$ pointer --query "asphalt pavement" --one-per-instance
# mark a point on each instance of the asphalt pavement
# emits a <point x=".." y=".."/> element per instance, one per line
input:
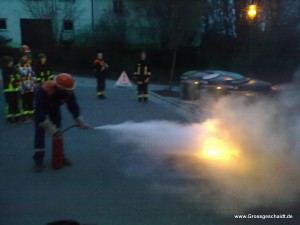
<point x="100" y="188"/>
<point x="93" y="190"/>
<point x="192" y="110"/>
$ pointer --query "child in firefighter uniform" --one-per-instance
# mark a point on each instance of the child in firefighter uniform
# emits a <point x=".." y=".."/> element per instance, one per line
<point x="100" y="68"/>
<point x="27" y="86"/>
<point x="42" y="70"/>
<point x="11" y="90"/>
<point x="48" y="98"/>
<point x="142" y="76"/>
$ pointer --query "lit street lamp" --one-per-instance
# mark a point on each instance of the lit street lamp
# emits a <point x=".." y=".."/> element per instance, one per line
<point x="252" y="13"/>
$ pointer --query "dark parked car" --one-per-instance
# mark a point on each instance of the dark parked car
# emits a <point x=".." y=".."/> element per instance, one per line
<point x="224" y="82"/>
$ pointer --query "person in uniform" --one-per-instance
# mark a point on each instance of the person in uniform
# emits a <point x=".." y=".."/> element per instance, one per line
<point x="27" y="86"/>
<point x="42" y="70"/>
<point x="142" y="76"/>
<point x="100" y="68"/>
<point x="48" y="99"/>
<point x="11" y="89"/>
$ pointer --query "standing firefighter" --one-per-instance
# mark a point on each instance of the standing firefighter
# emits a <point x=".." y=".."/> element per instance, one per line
<point x="27" y="86"/>
<point x="11" y="90"/>
<point x="100" y="68"/>
<point x="42" y="70"/>
<point x="49" y="97"/>
<point x="142" y="76"/>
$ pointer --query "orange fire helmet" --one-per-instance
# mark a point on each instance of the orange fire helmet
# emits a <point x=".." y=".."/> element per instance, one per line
<point x="65" y="81"/>
<point x="25" y="49"/>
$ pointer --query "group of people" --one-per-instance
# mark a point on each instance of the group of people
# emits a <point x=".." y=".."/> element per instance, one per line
<point x="20" y="82"/>
<point x="141" y="76"/>
<point x="33" y="92"/>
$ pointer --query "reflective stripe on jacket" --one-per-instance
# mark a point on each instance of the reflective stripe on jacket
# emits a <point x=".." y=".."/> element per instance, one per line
<point x="11" y="79"/>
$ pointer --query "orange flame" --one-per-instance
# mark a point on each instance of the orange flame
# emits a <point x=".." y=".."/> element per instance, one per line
<point x="216" y="148"/>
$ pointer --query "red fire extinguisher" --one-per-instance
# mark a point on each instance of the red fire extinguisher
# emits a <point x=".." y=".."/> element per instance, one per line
<point x="58" y="148"/>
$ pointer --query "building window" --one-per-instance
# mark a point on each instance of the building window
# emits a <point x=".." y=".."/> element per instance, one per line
<point x="3" y="25"/>
<point x="118" y="7"/>
<point x="68" y="25"/>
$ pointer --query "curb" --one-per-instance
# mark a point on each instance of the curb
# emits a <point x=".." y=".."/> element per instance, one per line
<point x="193" y="113"/>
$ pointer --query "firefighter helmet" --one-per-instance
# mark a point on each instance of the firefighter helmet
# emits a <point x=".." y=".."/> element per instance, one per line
<point x="65" y="81"/>
<point x="41" y="55"/>
<point x="25" y="49"/>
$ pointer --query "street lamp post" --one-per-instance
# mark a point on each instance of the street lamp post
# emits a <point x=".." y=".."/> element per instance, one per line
<point x="252" y="13"/>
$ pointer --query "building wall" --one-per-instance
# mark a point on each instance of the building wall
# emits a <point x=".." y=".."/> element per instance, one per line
<point x="85" y="17"/>
<point x="99" y="7"/>
<point x="88" y="13"/>
<point x="12" y="11"/>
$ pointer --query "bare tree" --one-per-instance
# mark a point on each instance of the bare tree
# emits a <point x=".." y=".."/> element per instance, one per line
<point x="172" y="23"/>
<point x="45" y="9"/>
<point x="183" y="25"/>
<point x="111" y="29"/>
<point x="223" y="17"/>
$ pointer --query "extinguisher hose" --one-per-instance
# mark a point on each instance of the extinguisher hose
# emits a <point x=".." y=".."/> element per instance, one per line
<point x="68" y="128"/>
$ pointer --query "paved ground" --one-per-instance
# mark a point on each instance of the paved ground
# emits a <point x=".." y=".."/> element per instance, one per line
<point x="94" y="190"/>
<point x="191" y="110"/>
<point x="99" y="189"/>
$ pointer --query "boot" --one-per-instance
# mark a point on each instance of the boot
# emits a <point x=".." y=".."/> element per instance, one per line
<point x="38" y="158"/>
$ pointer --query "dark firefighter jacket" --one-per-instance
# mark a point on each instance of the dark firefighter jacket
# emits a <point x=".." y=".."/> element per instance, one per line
<point x="142" y="72"/>
<point x="99" y="66"/>
<point x="43" y="73"/>
<point x="47" y="100"/>
<point x="11" y="79"/>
